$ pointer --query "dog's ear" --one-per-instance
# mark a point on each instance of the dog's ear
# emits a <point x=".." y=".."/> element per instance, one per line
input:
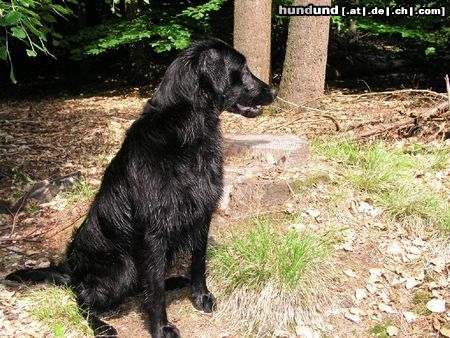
<point x="213" y="77"/>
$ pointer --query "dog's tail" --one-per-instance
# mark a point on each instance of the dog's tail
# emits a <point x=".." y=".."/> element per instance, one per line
<point x="54" y="274"/>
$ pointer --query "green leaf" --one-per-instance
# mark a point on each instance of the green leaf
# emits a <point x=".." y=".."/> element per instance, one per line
<point x="61" y="9"/>
<point x="12" y="18"/>
<point x="3" y="53"/>
<point x="31" y="53"/>
<point x="48" y="18"/>
<point x="430" y="51"/>
<point x="18" y="33"/>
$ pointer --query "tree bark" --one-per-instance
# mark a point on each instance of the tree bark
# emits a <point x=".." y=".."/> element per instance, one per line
<point x="252" y="28"/>
<point x="306" y="55"/>
<point x="140" y="63"/>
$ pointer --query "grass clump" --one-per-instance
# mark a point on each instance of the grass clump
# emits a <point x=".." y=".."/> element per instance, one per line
<point x="389" y="177"/>
<point x="57" y="309"/>
<point x="268" y="279"/>
<point x="420" y="300"/>
<point x="262" y="256"/>
<point x="82" y="191"/>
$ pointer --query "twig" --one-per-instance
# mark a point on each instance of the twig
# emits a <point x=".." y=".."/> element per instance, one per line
<point x="447" y="85"/>
<point x="401" y="91"/>
<point x="17" y="211"/>
<point x="324" y="114"/>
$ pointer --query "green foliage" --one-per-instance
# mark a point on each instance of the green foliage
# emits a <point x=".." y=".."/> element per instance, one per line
<point x="428" y="34"/>
<point x="20" y="176"/>
<point x="164" y="31"/>
<point x="31" y="23"/>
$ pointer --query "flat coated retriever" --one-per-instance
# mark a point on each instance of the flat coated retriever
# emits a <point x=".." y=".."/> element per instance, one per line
<point x="160" y="191"/>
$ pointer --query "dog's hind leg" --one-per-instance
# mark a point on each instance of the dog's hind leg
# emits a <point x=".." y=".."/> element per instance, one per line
<point x="202" y="299"/>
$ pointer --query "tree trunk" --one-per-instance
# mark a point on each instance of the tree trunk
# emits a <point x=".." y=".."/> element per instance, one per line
<point x="306" y="55"/>
<point x="140" y="63"/>
<point x="252" y="28"/>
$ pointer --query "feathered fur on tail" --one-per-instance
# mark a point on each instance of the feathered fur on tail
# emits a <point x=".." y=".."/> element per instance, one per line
<point x="54" y="274"/>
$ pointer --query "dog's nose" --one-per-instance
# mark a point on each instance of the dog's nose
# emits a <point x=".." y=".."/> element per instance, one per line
<point x="273" y="92"/>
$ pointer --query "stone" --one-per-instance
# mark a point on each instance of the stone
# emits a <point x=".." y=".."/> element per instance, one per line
<point x="283" y="150"/>
<point x="436" y="305"/>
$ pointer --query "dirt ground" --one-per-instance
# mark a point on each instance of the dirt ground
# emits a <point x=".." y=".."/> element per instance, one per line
<point x="380" y="268"/>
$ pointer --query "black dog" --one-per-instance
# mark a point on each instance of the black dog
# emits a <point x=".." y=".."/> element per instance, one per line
<point x="158" y="194"/>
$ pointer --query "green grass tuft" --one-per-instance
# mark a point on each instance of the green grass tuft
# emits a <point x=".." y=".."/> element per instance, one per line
<point x="263" y="255"/>
<point x="57" y="309"/>
<point x="82" y="191"/>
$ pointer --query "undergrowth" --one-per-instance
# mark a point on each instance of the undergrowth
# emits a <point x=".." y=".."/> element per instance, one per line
<point x="393" y="178"/>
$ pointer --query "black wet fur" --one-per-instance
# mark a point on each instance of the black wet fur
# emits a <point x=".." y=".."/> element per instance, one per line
<point x="158" y="194"/>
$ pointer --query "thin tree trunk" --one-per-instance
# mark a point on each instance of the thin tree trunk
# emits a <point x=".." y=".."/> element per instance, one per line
<point x="252" y="28"/>
<point x="306" y="55"/>
<point x="139" y="60"/>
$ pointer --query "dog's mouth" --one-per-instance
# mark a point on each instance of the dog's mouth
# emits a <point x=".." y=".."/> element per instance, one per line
<point x="247" y="111"/>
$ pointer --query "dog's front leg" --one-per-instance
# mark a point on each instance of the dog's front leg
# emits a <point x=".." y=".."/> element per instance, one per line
<point x="202" y="299"/>
<point x="154" y="292"/>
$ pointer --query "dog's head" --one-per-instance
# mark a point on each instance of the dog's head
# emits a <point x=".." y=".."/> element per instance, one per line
<point x="210" y="73"/>
<point x="224" y="72"/>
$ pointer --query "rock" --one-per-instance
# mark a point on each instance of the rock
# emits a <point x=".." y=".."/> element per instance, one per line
<point x="283" y="150"/>
<point x="409" y="316"/>
<point x="364" y="207"/>
<point x="385" y="308"/>
<point x="354" y="318"/>
<point x="394" y="249"/>
<point x="411" y="283"/>
<point x="413" y="250"/>
<point x="360" y="294"/>
<point x="313" y="213"/>
<point x="436" y="305"/>
<point x="392" y="331"/>
<point x="350" y="273"/>
<point x="30" y="262"/>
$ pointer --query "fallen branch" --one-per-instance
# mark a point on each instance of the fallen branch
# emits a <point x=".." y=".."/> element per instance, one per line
<point x="398" y="92"/>
<point x="407" y="122"/>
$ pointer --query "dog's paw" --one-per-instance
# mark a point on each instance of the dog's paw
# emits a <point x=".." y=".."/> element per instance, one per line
<point x="105" y="331"/>
<point x="205" y="302"/>
<point x="166" y="331"/>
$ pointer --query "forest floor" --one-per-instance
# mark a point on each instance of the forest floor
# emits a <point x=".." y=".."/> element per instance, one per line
<point x="377" y="191"/>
